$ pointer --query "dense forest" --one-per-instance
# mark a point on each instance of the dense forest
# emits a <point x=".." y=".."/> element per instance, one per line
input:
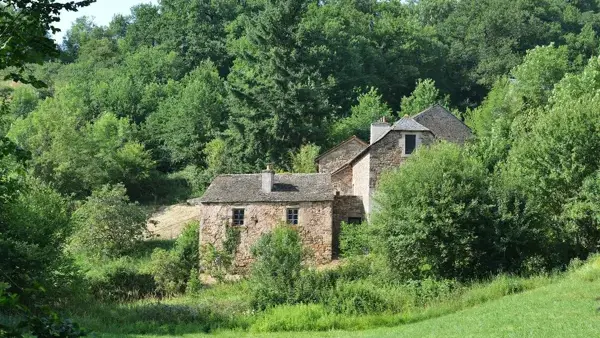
<point x="148" y="109"/>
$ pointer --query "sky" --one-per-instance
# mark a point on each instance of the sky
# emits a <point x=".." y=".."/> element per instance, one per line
<point x="102" y="11"/>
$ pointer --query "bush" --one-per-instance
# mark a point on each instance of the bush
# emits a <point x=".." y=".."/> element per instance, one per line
<point x="364" y="297"/>
<point x="168" y="272"/>
<point x="215" y="262"/>
<point x="34" y="226"/>
<point x="355" y="239"/>
<point x="277" y="268"/>
<point x="121" y="282"/>
<point x="108" y="225"/>
<point x="172" y="269"/>
<point x="434" y="216"/>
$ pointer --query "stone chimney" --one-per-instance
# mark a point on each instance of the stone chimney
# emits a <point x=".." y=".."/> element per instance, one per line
<point x="267" y="179"/>
<point x="378" y="129"/>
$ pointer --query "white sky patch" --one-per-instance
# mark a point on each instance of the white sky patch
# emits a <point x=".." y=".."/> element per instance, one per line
<point x="102" y="11"/>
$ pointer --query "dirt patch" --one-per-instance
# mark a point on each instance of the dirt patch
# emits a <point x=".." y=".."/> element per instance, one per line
<point x="168" y="221"/>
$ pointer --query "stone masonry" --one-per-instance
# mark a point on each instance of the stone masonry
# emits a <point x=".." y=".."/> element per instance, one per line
<point x="315" y="227"/>
<point x="340" y="155"/>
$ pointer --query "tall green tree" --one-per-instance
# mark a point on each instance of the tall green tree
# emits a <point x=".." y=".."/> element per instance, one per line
<point x="370" y="108"/>
<point x="277" y="100"/>
<point x="425" y="95"/>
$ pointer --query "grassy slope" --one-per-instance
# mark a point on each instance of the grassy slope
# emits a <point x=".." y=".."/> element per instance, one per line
<point x="566" y="308"/>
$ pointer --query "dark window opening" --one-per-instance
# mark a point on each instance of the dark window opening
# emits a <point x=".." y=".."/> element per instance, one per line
<point x="354" y="220"/>
<point x="410" y="143"/>
<point x="292" y="216"/>
<point x="238" y="216"/>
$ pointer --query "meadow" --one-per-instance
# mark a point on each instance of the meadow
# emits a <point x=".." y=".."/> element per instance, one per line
<point x="554" y="305"/>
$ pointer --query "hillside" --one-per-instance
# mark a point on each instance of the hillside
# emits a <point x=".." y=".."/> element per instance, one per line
<point x="566" y="308"/>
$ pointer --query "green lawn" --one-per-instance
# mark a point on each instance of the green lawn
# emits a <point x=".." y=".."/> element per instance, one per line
<point x="566" y="308"/>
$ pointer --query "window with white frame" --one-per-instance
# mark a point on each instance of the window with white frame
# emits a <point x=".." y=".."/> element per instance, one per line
<point x="238" y="217"/>
<point x="292" y="216"/>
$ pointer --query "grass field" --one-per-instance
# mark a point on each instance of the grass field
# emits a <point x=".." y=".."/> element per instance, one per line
<point x="564" y="307"/>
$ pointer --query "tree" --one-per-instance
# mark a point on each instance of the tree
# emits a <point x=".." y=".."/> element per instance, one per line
<point x="186" y="122"/>
<point x="34" y="226"/>
<point x="107" y="224"/>
<point x="542" y="67"/>
<point x="304" y="160"/>
<point x="424" y="96"/>
<point x="277" y="101"/>
<point x="434" y="216"/>
<point x="24" y="25"/>
<point x="370" y="108"/>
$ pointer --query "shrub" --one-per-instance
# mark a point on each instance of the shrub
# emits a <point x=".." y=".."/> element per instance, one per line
<point x="429" y="290"/>
<point x="172" y="269"/>
<point x="364" y="297"/>
<point x="193" y="285"/>
<point x="34" y="226"/>
<point x="108" y="225"/>
<point x="355" y="239"/>
<point x="121" y="282"/>
<point x="187" y="246"/>
<point x="277" y="268"/>
<point x="434" y="216"/>
<point x="215" y="262"/>
<point x="168" y="272"/>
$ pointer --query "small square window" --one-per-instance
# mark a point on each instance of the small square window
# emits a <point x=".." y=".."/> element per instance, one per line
<point x="292" y="216"/>
<point x="238" y="216"/>
<point x="354" y="220"/>
<point x="410" y="143"/>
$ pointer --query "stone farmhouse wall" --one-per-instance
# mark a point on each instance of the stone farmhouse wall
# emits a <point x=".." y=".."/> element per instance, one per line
<point x="389" y="153"/>
<point x="339" y="156"/>
<point x="342" y="181"/>
<point x="314" y="218"/>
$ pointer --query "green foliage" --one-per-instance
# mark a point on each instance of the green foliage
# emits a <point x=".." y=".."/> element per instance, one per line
<point x="34" y="225"/>
<point x="424" y="96"/>
<point x="38" y="322"/>
<point x="173" y="270"/>
<point x="355" y="239"/>
<point x="186" y="122"/>
<point x="370" y="108"/>
<point x="23" y="100"/>
<point x="193" y="285"/>
<point x="541" y="69"/>
<point x="277" y="267"/>
<point x="118" y="281"/>
<point x="434" y="217"/>
<point x="168" y="272"/>
<point x="303" y="161"/>
<point x="215" y="262"/>
<point x="278" y="100"/>
<point x="233" y="235"/>
<point x="107" y="224"/>
<point x="79" y="158"/>
<point x="25" y="25"/>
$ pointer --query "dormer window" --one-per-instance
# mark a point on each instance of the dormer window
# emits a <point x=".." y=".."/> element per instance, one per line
<point x="410" y="143"/>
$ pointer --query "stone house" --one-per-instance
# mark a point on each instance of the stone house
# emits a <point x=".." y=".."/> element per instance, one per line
<point x="317" y="204"/>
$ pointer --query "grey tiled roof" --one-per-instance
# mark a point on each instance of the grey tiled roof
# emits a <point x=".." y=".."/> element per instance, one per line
<point x="408" y="124"/>
<point x="352" y="138"/>
<point x="286" y="188"/>
<point x="443" y="124"/>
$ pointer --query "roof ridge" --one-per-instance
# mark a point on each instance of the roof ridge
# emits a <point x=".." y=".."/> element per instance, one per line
<point x="444" y="108"/>
<point x="353" y="137"/>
